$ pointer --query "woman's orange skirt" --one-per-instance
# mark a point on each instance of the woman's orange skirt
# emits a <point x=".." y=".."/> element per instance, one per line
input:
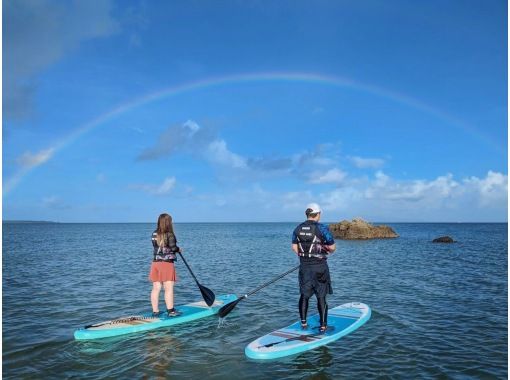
<point x="162" y="271"/>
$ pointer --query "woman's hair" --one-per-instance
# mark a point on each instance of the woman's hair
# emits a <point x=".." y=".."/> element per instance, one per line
<point x="164" y="228"/>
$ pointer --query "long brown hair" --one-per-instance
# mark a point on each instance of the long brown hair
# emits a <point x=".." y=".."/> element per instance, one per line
<point x="164" y="228"/>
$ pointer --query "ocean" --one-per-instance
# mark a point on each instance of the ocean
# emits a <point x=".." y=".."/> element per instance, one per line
<point x="438" y="310"/>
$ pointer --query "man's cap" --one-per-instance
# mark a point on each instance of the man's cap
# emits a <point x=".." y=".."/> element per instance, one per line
<point x="313" y="208"/>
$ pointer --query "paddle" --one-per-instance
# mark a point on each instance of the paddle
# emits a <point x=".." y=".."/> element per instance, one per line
<point x="230" y="306"/>
<point x="207" y="294"/>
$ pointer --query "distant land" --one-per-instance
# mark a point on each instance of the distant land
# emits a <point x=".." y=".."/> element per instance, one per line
<point x="237" y="222"/>
<point x="27" y="221"/>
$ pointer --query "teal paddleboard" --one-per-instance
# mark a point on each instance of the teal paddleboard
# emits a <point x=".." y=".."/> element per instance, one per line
<point x="145" y="321"/>
<point x="292" y="339"/>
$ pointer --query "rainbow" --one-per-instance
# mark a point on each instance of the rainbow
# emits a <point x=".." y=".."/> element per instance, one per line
<point x="291" y="77"/>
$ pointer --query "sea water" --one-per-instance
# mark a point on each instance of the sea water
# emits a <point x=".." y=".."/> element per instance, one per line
<point x="438" y="310"/>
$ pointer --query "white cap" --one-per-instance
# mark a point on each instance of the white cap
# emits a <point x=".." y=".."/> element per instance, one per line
<point x="314" y="207"/>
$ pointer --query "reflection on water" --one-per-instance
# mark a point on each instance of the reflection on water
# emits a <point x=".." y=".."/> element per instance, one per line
<point x="161" y="352"/>
<point x="427" y="303"/>
<point x="224" y="323"/>
<point x="321" y="359"/>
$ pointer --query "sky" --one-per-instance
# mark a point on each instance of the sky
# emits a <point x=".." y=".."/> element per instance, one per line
<point x="246" y="111"/>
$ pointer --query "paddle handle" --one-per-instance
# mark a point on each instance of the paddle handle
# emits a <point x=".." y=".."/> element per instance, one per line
<point x="270" y="282"/>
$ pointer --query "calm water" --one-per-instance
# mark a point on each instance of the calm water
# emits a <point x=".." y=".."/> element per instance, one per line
<point x="437" y="310"/>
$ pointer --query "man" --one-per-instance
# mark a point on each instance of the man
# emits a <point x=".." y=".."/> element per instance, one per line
<point x="312" y="242"/>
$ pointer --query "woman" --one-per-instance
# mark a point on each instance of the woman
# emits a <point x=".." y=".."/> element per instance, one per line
<point x="162" y="268"/>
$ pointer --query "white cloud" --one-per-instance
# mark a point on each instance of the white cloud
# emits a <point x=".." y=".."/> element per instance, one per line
<point x="339" y="199"/>
<point x="187" y="137"/>
<point x="218" y="152"/>
<point x="384" y="188"/>
<point x="49" y="200"/>
<point x="167" y="185"/>
<point x="439" y="199"/>
<point x="30" y="160"/>
<point x="382" y="198"/>
<point x="295" y="199"/>
<point x="54" y="202"/>
<point x="379" y="198"/>
<point x="191" y="138"/>
<point x="192" y="126"/>
<point x="336" y="176"/>
<point x="204" y="143"/>
<point x="381" y="179"/>
<point x="27" y="161"/>
<point x="366" y="163"/>
<point x="491" y="189"/>
<point x="164" y="188"/>
<point x="321" y="155"/>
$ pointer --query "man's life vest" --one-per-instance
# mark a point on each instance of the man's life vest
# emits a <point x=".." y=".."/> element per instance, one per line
<point x="310" y="240"/>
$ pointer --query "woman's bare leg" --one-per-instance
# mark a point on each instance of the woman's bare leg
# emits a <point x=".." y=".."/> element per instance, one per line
<point x="156" y="288"/>
<point x="169" y="294"/>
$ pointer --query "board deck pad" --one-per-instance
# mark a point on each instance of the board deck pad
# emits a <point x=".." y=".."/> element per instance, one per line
<point x="146" y="321"/>
<point x="292" y="339"/>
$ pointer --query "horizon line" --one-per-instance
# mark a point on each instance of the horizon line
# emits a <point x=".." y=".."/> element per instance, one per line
<point x="21" y="221"/>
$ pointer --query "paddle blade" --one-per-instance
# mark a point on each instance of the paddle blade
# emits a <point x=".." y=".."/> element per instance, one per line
<point x="225" y="309"/>
<point x="207" y="294"/>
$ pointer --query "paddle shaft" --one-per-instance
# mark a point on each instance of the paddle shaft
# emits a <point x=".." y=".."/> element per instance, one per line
<point x="226" y="309"/>
<point x="187" y="266"/>
<point x="207" y="293"/>
<point x="270" y="282"/>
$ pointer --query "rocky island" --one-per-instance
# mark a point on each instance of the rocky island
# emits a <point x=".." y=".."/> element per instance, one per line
<point x="443" y="239"/>
<point x="360" y="229"/>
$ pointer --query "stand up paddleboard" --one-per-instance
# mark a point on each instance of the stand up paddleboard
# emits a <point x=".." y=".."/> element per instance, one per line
<point x="146" y="321"/>
<point x="292" y="339"/>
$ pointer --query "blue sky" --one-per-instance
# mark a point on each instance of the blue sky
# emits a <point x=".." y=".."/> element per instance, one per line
<point x="116" y="111"/>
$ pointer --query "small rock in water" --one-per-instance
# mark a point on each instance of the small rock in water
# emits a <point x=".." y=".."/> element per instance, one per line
<point x="443" y="239"/>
